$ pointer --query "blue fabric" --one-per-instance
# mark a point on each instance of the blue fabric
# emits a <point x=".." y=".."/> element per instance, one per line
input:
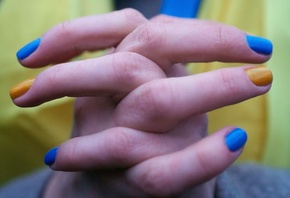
<point x="181" y="8"/>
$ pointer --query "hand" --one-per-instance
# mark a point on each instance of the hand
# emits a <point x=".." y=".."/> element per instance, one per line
<point x="149" y="126"/>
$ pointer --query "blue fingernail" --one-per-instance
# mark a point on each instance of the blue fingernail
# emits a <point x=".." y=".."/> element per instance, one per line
<point x="28" y="49"/>
<point x="260" y="45"/>
<point x="50" y="156"/>
<point x="236" y="139"/>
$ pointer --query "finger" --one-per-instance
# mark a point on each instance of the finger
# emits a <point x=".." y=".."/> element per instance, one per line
<point x="115" y="74"/>
<point x="168" y="175"/>
<point x="159" y="105"/>
<point x="184" y="41"/>
<point x="71" y="38"/>
<point x="116" y="148"/>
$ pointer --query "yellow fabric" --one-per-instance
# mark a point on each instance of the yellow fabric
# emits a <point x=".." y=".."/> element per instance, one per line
<point x="277" y="150"/>
<point x="26" y="134"/>
<point x="266" y="118"/>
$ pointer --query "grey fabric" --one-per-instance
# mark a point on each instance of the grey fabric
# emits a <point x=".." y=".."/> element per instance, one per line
<point x="30" y="186"/>
<point x="242" y="181"/>
<point x="251" y="180"/>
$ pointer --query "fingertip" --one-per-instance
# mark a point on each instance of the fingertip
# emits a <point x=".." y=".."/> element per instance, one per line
<point x="28" y="49"/>
<point x="21" y="88"/>
<point x="50" y="157"/>
<point x="236" y="139"/>
<point x="260" y="45"/>
<point x="260" y="76"/>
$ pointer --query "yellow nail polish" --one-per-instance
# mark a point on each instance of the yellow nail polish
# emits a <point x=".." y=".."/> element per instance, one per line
<point x="260" y="76"/>
<point x="21" y="88"/>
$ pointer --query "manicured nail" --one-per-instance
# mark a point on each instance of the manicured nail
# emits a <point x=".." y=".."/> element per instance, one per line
<point x="21" y="89"/>
<point x="50" y="156"/>
<point x="236" y="139"/>
<point x="28" y="49"/>
<point x="260" y="76"/>
<point x="260" y="45"/>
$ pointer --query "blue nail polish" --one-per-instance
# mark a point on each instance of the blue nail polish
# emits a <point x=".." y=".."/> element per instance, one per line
<point x="236" y="139"/>
<point x="28" y="49"/>
<point x="50" y="156"/>
<point x="260" y="45"/>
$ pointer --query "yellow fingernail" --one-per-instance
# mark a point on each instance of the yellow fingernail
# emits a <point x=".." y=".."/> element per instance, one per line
<point x="260" y="76"/>
<point x="21" y="88"/>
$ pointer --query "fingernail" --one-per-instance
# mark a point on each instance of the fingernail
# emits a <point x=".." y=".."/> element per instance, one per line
<point x="21" y="89"/>
<point x="260" y="76"/>
<point x="50" y="156"/>
<point x="260" y="45"/>
<point x="236" y="139"/>
<point x="28" y="49"/>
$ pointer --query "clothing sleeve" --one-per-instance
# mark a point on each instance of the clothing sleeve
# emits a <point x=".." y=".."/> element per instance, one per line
<point x="252" y="180"/>
<point x="31" y="186"/>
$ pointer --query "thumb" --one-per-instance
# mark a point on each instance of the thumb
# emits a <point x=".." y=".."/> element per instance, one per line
<point x="191" y="166"/>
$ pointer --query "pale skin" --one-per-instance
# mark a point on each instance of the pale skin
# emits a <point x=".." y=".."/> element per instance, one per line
<point x="140" y="126"/>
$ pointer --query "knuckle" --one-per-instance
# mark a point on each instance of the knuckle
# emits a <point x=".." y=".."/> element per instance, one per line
<point x="127" y="66"/>
<point x="148" y="101"/>
<point x="121" y="146"/>
<point x="228" y="83"/>
<point x="64" y="28"/>
<point x="134" y="69"/>
<point x="148" y="36"/>
<point x="221" y="36"/>
<point x="156" y="183"/>
<point x="54" y="75"/>
<point x="50" y="77"/>
<point x="155" y="99"/>
<point x="205" y="170"/>
<point x="133" y="15"/>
